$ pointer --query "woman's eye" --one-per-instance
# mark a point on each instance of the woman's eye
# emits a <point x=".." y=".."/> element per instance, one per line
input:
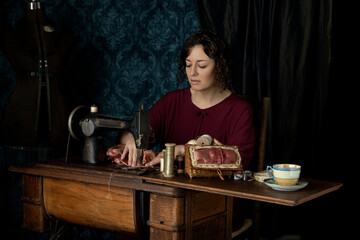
<point x="188" y="66"/>
<point x="202" y="66"/>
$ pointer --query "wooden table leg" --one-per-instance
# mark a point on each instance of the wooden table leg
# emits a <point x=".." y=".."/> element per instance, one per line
<point x="197" y="215"/>
<point x="166" y="217"/>
<point x="35" y="217"/>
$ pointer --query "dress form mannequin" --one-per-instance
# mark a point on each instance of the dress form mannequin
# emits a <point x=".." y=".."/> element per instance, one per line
<point x="36" y="112"/>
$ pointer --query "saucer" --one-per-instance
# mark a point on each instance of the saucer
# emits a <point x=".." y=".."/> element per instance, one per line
<point x="299" y="185"/>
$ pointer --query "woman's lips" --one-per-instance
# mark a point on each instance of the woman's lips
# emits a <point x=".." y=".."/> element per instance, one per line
<point x="194" y="81"/>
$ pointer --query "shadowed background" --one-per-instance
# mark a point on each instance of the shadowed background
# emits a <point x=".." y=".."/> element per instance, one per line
<point x="125" y="53"/>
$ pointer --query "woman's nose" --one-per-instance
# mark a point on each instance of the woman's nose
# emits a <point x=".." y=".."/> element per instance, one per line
<point x="193" y="71"/>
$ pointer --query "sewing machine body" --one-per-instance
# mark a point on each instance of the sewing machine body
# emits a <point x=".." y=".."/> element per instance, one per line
<point x="92" y="125"/>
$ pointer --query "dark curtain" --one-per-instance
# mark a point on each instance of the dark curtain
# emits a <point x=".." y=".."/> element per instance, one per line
<point x="282" y="49"/>
<point x="299" y="54"/>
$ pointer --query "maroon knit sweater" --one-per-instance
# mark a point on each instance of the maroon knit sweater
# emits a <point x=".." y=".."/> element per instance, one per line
<point x="175" y="119"/>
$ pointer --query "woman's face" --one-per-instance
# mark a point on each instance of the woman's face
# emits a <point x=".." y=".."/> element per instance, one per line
<point x="200" y="69"/>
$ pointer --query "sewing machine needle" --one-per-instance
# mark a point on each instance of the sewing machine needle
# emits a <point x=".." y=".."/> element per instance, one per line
<point x="140" y="156"/>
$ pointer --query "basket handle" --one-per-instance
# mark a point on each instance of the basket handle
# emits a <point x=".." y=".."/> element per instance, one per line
<point x="220" y="174"/>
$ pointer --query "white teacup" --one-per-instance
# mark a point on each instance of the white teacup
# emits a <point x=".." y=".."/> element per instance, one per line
<point x="285" y="174"/>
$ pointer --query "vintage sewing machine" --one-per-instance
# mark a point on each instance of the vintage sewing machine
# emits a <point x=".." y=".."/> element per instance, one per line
<point x="90" y="125"/>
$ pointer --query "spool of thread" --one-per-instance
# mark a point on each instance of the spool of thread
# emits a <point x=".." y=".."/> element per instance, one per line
<point x="93" y="108"/>
<point x="204" y="140"/>
<point x="180" y="168"/>
<point x="169" y="160"/>
<point x="162" y="161"/>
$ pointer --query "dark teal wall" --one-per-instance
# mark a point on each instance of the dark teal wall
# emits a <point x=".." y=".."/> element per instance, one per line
<point x="125" y="51"/>
<point x="124" y="54"/>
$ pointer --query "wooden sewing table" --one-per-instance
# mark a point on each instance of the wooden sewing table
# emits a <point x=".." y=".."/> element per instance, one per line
<point x="108" y="198"/>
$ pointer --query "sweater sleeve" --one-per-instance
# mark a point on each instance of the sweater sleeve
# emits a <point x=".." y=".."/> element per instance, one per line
<point x="242" y="135"/>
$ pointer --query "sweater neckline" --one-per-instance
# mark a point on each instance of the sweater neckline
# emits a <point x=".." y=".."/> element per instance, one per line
<point x="209" y="108"/>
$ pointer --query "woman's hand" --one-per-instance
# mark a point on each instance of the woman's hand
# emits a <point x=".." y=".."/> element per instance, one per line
<point x="179" y="150"/>
<point x="156" y="160"/>
<point x="130" y="148"/>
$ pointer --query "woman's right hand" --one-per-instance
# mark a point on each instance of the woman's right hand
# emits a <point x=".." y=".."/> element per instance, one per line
<point x="130" y="149"/>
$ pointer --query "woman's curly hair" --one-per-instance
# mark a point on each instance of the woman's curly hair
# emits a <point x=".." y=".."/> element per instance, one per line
<point x="215" y="48"/>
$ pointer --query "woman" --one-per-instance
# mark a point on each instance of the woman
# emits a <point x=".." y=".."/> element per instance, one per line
<point x="206" y="107"/>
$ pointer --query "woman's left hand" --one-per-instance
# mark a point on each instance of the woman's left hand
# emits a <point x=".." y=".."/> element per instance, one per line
<point x="179" y="150"/>
<point x="155" y="160"/>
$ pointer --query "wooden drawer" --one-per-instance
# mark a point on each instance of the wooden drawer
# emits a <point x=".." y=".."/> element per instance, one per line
<point x="91" y="205"/>
<point x="166" y="210"/>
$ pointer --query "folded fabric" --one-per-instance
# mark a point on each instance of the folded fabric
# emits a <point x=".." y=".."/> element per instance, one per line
<point x="115" y="153"/>
<point x="215" y="156"/>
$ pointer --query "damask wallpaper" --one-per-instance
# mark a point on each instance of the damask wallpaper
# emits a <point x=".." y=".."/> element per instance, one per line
<point x="124" y="54"/>
<point x="125" y="51"/>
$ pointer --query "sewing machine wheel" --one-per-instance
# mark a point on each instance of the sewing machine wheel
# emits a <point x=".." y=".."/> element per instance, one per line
<point x="74" y="121"/>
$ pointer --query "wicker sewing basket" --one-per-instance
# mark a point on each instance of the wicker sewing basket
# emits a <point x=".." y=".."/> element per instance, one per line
<point x="209" y="170"/>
